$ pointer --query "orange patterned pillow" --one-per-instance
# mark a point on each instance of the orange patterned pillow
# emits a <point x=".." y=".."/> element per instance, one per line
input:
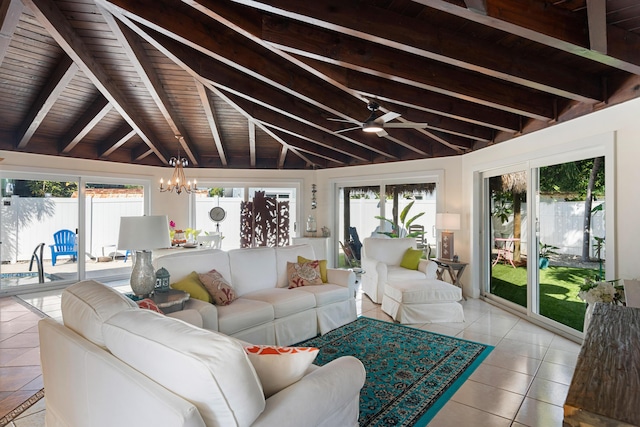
<point x="149" y="304"/>
<point x="279" y="367"/>
<point x="219" y="289"/>
<point x="304" y="273"/>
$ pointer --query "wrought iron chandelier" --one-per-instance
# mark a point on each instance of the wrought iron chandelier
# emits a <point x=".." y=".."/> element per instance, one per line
<point x="178" y="181"/>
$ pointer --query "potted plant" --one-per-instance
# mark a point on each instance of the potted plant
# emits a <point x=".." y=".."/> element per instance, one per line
<point x="545" y="251"/>
<point x="396" y="230"/>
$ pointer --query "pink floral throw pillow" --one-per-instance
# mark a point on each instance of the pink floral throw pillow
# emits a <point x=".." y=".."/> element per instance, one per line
<point x="149" y="304"/>
<point x="221" y="291"/>
<point x="304" y="273"/>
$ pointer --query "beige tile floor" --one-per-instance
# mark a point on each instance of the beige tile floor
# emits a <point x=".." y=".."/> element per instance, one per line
<point x="523" y="382"/>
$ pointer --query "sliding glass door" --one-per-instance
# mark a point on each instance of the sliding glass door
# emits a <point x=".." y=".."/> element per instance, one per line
<point x="506" y="196"/>
<point x="546" y="235"/>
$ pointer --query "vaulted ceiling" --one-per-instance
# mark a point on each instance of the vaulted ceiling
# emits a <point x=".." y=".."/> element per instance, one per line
<point x="254" y="83"/>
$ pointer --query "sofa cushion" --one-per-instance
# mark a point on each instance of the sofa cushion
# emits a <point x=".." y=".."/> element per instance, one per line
<point x="279" y="367"/>
<point x="303" y="274"/>
<point x="323" y="267"/>
<point x="285" y="302"/>
<point x="395" y="273"/>
<point x="423" y="291"/>
<point x="285" y="254"/>
<point x="411" y="258"/>
<point x="221" y="291"/>
<point x="327" y="293"/>
<point x="243" y="314"/>
<point x="193" y="286"/>
<point x="252" y="269"/>
<point x="184" y="261"/>
<point x="86" y="305"/>
<point x="208" y="369"/>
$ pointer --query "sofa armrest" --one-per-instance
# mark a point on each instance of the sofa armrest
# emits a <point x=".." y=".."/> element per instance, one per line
<point x="341" y="277"/>
<point x="317" y="397"/>
<point x="345" y="278"/>
<point x="208" y="312"/>
<point x="428" y="267"/>
<point x="193" y="317"/>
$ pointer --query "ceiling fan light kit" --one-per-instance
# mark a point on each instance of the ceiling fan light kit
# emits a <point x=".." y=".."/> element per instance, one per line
<point x="377" y="125"/>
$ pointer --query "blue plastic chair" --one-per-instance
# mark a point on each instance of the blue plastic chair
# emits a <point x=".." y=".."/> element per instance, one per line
<point x="65" y="244"/>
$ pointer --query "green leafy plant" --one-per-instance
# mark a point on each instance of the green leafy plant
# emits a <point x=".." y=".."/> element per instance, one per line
<point x="502" y="203"/>
<point x="546" y="250"/>
<point x="396" y="229"/>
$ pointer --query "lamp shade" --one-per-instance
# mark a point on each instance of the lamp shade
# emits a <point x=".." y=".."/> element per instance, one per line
<point x="144" y="232"/>
<point x="448" y="221"/>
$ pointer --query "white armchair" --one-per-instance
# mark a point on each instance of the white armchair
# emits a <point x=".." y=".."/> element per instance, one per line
<point x="381" y="261"/>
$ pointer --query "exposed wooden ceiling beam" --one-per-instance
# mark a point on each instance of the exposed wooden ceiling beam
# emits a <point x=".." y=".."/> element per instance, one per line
<point x="366" y="57"/>
<point x="445" y="113"/>
<point x="553" y="27"/>
<point x="64" y="34"/>
<point x="89" y="119"/>
<point x="597" y="14"/>
<point x="479" y="6"/>
<point x="249" y="117"/>
<point x="283" y="155"/>
<point x="367" y="22"/>
<point x="252" y="143"/>
<point x="257" y="91"/>
<point x="116" y="140"/>
<point x="10" y="11"/>
<point x="56" y="83"/>
<point x="307" y="146"/>
<point x="144" y="67"/>
<point x="211" y="119"/>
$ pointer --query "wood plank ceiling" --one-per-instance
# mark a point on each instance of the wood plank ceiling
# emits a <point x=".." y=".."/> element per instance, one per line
<point x="252" y="83"/>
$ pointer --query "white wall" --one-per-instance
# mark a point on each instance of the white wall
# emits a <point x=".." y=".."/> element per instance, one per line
<point x="618" y="122"/>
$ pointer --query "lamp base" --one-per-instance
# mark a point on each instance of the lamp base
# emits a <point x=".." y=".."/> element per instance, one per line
<point x="143" y="277"/>
<point x="446" y="245"/>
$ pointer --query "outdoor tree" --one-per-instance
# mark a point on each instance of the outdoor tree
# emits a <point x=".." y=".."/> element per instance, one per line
<point x="579" y="180"/>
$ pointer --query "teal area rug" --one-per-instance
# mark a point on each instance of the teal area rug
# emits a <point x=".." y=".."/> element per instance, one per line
<point x="411" y="373"/>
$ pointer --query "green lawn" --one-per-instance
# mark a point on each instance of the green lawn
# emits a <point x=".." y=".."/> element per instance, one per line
<point x="559" y="288"/>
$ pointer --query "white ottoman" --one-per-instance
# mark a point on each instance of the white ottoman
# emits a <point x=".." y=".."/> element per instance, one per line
<point x="423" y="301"/>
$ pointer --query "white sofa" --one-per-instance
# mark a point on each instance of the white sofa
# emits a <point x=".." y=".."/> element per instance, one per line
<point x="113" y="364"/>
<point x="381" y="259"/>
<point x="267" y="312"/>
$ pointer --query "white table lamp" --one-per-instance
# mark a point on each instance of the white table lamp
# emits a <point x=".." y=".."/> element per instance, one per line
<point x="447" y="222"/>
<point x="143" y="234"/>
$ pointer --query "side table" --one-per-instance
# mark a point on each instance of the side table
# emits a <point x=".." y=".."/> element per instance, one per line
<point x="170" y="301"/>
<point x="455" y="270"/>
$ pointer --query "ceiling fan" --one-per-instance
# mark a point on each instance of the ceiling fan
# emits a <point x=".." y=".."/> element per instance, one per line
<point x="377" y="125"/>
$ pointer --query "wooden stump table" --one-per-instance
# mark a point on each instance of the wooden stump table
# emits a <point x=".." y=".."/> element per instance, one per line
<point x="605" y="389"/>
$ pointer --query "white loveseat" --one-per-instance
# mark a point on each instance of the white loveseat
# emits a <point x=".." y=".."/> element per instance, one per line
<point x="113" y="364"/>
<point x="267" y="312"/>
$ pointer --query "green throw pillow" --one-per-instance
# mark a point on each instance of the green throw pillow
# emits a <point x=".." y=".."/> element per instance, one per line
<point x="411" y="259"/>
<point x="193" y="286"/>
<point x="323" y="267"/>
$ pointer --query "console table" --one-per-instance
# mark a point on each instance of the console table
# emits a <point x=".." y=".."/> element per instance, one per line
<point x="605" y="389"/>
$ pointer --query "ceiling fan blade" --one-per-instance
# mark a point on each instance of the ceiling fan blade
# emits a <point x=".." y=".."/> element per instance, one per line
<point x="382" y="133"/>
<point x="387" y="117"/>
<point x="341" y="120"/>
<point x="406" y="125"/>
<point x="348" y="129"/>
